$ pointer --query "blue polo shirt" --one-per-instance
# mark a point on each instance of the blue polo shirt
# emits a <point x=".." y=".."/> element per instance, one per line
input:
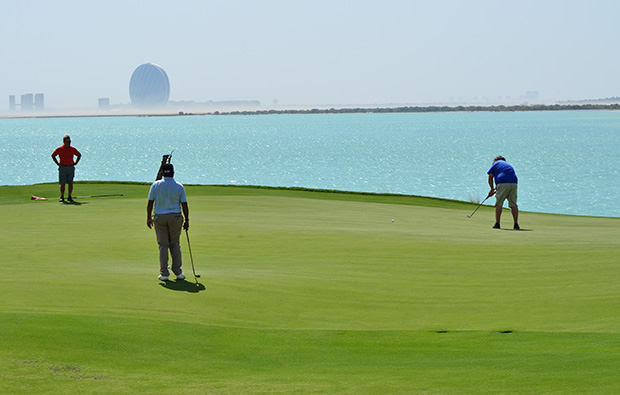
<point x="503" y="172"/>
<point x="168" y="196"/>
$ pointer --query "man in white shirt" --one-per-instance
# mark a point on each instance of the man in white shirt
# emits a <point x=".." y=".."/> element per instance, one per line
<point x="168" y="198"/>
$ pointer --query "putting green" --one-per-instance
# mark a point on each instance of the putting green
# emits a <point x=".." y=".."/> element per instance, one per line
<point x="304" y="291"/>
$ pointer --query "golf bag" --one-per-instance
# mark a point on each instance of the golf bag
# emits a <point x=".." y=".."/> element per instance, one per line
<point x="165" y="160"/>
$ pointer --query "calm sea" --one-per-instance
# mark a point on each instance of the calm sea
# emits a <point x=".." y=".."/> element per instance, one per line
<point x="566" y="161"/>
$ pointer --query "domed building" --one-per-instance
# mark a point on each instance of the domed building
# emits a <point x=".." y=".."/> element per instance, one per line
<point x="149" y="86"/>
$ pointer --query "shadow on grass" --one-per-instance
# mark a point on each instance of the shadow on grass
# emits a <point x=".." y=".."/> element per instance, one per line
<point x="182" y="285"/>
<point x="73" y="203"/>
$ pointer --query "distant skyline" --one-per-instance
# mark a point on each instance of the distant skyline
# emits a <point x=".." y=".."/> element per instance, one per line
<point x="311" y="53"/>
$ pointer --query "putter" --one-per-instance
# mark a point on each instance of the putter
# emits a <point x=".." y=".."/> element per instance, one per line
<point x="77" y="197"/>
<point x="189" y="247"/>
<point x="94" y="196"/>
<point x="485" y="199"/>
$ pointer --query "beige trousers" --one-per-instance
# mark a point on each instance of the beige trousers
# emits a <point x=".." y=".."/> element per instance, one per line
<point x="168" y="231"/>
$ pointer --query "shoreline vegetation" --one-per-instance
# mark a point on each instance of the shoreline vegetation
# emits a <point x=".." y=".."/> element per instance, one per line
<point x="423" y="109"/>
<point x="332" y="110"/>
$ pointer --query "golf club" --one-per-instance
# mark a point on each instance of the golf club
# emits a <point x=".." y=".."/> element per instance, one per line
<point x="94" y="196"/>
<point x="189" y="247"/>
<point x="485" y="199"/>
<point x="77" y="197"/>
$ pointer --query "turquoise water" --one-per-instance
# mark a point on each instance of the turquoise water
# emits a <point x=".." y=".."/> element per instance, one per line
<point x="566" y="161"/>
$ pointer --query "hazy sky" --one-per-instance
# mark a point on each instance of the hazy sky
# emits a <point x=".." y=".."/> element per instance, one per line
<point x="312" y="52"/>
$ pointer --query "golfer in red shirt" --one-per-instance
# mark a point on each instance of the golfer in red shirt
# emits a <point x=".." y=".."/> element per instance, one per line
<point x="66" y="166"/>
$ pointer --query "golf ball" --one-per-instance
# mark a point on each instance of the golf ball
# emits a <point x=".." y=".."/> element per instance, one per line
<point x="392" y="220"/>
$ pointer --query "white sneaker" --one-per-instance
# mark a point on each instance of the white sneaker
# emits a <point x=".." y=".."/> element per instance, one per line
<point x="181" y="276"/>
<point x="162" y="278"/>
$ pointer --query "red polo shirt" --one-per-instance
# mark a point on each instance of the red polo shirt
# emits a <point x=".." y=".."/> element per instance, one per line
<point x="66" y="155"/>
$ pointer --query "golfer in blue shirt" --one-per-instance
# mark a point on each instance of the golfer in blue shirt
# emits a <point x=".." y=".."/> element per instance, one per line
<point x="505" y="178"/>
<point x="168" y="198"/>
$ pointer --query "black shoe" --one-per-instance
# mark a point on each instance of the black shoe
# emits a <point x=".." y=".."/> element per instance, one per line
<point x="496" y="226"/>
<point x="517" y="227"/>
<point x="70" y="199"/>
<point x="61" y="200"/>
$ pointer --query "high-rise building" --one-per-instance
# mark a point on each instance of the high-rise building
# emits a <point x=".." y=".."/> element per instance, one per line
<point x="27" y="102"/>
<point x="149" y="86"/>
<point x="104" y="103"/>
<point x="39" y="102"/>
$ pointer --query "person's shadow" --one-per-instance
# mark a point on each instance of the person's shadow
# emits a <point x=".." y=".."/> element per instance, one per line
<point x="73" y="203"/>
<point x="182" y="285"/>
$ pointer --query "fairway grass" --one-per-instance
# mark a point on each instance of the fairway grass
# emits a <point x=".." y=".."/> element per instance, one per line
<point x="304" y="292"/>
